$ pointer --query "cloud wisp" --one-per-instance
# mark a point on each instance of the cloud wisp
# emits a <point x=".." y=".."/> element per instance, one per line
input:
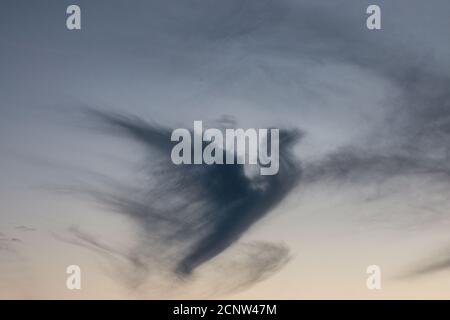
<point x="189" y="214"/>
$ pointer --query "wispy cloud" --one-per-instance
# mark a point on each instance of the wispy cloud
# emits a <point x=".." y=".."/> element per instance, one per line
<point x="187" y="215"/>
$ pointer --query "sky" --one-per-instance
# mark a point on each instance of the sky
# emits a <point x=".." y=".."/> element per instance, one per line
<point x="85" y="118"/>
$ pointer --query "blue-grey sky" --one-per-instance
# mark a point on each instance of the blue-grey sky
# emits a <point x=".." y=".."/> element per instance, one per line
<point x="373" y="106"/>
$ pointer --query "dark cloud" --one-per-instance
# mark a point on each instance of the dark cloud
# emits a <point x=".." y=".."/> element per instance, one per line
<point x="189" y="214"/>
